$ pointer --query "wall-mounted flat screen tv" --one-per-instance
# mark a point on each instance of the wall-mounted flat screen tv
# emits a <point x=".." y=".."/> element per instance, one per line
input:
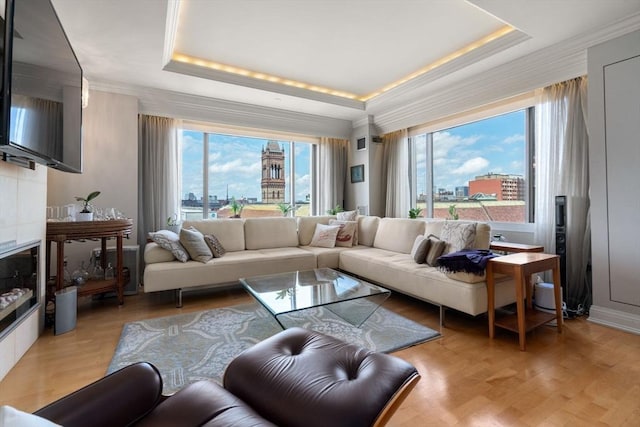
<point x="41" y="97"/>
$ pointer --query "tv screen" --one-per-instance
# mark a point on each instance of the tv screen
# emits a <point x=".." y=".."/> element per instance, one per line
<point x="41" y="89"/>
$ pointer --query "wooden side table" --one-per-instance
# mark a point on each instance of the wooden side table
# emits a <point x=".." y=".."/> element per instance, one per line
<point x="521" y="266"/>
<point x="515" y="247"/>
<point x="61" y="232"/>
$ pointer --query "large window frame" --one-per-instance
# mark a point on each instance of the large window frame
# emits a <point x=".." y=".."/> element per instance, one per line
<point x="289" y="141"/>
<point x="524" y="103"/>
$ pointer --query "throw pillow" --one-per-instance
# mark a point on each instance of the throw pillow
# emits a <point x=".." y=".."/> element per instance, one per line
<point x="193" y="242"/>
<point x="458" y="235"/>
<point x="170" y="241"/>
<point x="217" y="250"/>
<point x="325" y="236"/>
<point x="347" y="216"/>
<point x="420" y="249"/>
<point x="436" y="248"/>
<point x="10" y="416"/>
<point x="347" y="233"/>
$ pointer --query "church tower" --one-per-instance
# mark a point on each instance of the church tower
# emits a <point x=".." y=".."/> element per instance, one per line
<point x="272" y="173"/>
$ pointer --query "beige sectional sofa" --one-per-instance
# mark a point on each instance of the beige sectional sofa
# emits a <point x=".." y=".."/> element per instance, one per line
<point x="257" y="246"/>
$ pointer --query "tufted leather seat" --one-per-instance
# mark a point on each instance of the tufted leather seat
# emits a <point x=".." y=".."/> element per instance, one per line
<point x="294" y="378"/>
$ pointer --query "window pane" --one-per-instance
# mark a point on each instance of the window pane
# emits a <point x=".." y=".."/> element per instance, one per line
<point x="192" y="181"/>
<point x="420" y="142"/>
<point x="302" y="179"/>
<point x="479" y="170"/>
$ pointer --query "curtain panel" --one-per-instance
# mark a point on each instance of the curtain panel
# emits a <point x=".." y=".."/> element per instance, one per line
<point x="562" y="168"/>
<point x="158" y="172"/>
<point x="332" y="173"/>
<point x="395" y="172"/>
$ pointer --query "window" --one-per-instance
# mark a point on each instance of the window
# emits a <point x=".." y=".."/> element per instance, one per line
<point x="479" y="171"/>
<point x="259" y="174"/>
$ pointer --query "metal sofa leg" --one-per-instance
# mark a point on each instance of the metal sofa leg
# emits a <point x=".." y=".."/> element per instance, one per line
<point x="179" y="298"/>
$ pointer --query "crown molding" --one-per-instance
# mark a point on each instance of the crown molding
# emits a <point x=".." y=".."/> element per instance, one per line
<point x="236" y="79"/>
<point x="201" y="108"/>
<point x="557" y="63"/>
<point x="171" y="29"/>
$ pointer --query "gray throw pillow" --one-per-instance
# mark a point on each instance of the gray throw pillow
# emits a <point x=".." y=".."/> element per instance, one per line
<point x="170" y="241"/>
<point x="458" y="235"/>
<point x="217" y="250"/>
<point x="420" y="249"/>
<point x="436" y="248"/>
<point x="193" y="242"/>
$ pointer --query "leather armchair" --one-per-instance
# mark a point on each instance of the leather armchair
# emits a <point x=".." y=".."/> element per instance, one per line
<point x="294" y="378"/>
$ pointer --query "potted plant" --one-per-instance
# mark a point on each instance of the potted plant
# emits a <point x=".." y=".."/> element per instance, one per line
<point x="285" y="208"/>
<point x="453" y="212"/>
<point x="414" y="213"/>
<point x="86" y="214"/>
<point x="335" y="210"/>
<point x="173" y="224"/>
<point x="236" y="208"/>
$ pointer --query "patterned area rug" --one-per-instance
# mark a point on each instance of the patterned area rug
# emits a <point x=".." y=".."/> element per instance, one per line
<point x="190" y="347"/>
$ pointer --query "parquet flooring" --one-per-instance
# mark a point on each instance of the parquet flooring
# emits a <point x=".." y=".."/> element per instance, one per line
<point x="587" y="376"/>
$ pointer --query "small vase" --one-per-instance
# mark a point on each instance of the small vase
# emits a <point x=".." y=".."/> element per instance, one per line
<point x="84" y="216"/>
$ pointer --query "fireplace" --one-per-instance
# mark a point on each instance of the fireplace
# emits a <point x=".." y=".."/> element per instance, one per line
<point x="19" y="293"/>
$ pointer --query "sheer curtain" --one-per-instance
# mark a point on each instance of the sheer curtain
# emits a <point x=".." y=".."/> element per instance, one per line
<point x="332" y="173"/>
<point x="158" y="172"/>
<point x="395" y="170"/>
<point x="562" y="168"/>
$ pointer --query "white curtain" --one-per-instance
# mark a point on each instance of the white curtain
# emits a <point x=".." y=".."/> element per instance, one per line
<point x="158" y="172"/>
<point x="332" y="173"/>
<point x="395" y="172"/>
<point x="562" y="169"/>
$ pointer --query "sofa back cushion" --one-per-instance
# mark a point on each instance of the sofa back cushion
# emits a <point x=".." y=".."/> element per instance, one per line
<point x="267" y="233"/>
<point x="398" y="234"/>
<point x="229" y="232"/>
<point x="307" y="226"/>
<point x="483" y="232"/>
<point x="367" y="229"/>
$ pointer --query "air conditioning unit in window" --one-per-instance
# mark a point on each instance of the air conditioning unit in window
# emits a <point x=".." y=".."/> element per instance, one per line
<point x="130" y="254"/>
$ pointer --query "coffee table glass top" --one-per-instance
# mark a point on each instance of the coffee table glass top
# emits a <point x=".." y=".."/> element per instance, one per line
<point x="298" y="290"/>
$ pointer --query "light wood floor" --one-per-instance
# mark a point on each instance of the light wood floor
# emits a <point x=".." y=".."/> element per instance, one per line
<point x="588" y="375"/>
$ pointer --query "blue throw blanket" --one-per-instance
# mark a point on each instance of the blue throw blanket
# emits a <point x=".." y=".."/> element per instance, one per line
<point x="468" y="260"/>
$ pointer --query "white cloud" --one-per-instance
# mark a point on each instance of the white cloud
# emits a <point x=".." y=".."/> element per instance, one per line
<point x="514" y="138"/>
<point x="471" y="166"/>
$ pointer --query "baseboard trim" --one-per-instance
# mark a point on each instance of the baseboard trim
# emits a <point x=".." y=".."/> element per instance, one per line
<point x="614" y="318"/>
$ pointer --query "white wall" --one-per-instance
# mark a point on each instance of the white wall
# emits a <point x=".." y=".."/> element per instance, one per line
<point x="23" y="219"/>
<point x="110" y="142"/>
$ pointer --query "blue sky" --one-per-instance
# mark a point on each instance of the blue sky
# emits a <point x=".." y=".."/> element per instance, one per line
<point x="491" y="145"/>
<point x="460" y="154"/>
<point x="236" y="161"/>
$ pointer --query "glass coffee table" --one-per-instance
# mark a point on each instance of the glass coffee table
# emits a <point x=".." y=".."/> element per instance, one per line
<point x="351" y="299"/>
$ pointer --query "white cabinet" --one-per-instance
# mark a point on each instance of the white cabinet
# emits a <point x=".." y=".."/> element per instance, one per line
<point x="614" y="150"/>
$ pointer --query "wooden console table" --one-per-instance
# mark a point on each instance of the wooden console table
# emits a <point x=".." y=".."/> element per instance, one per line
<point x="61" y="232"/>
<point x="521" y="266"/>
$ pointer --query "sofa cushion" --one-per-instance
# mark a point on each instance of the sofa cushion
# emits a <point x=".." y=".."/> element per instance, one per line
<point x="230" y="232"/>
<point x="266" y="233"/>
<point x="346" y="234"/>
<point x="458" y="235"/>
<point x="483" y="232"/>
<point x="436" y="248"/>
<point x="307" y="226"/>
<point x="170" y="241"/>
<point x="193" y="242"/>
<point x="325" y="236"/>
<point x="347" y="216"/>
<point x="420" y="249"/>
<point x="154" y="253"/>
<point x="367" y="229"/>
<point x="216" y="248"/>
<point x="398" y="234"/>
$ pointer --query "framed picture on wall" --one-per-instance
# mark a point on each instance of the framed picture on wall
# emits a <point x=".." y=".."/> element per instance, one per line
<point x="357" y="173"/>
<point x="361" y="144"/>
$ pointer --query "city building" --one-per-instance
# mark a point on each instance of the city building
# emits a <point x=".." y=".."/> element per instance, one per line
<point x="272" y="181"/>
<point x="505" y="187"/>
